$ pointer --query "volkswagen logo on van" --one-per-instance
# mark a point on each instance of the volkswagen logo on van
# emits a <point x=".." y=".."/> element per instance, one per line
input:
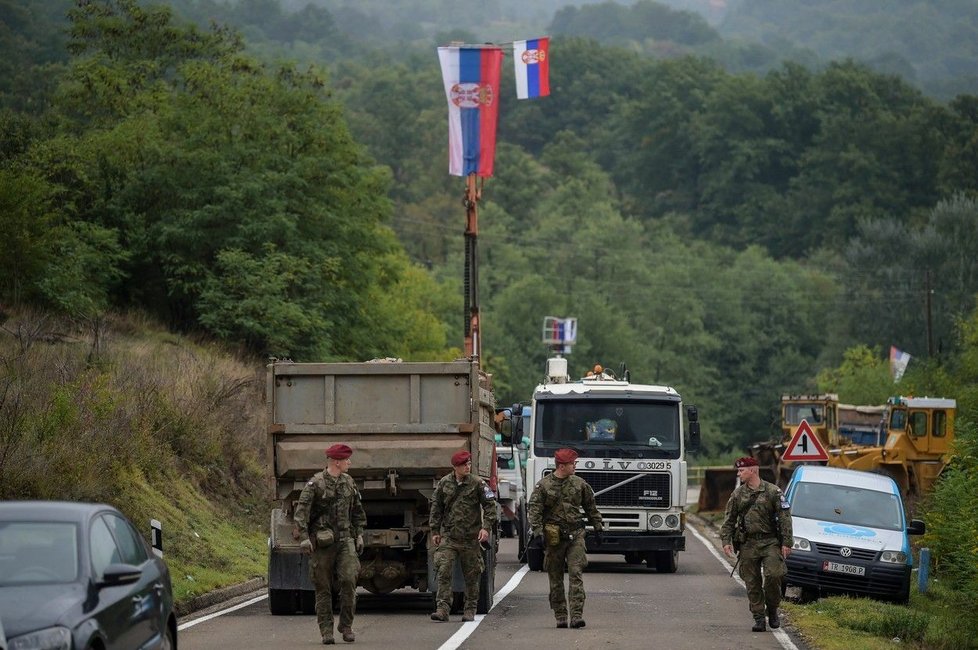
<point x="845" y="551"/>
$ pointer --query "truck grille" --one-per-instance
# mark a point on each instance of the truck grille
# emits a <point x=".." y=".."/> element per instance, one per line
<point x="647" y="491"/>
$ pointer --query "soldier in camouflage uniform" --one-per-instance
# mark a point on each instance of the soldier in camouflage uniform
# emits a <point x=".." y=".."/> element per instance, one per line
<point x="555" y="506"/>
<point x="463" y="510"/>
<point x="758" y="526"/>
<point x="330" y="521"/>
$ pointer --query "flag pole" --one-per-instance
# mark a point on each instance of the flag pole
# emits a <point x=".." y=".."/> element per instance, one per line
<point x="473" y="340"/>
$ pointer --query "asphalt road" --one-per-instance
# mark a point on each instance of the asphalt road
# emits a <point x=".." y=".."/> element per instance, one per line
<point x="700" y="606"/>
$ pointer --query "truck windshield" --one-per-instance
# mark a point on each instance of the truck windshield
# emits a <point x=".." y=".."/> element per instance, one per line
<point x="795" y="413"/>
<point x="609" y="428"/>
<point x="846" y="505"/>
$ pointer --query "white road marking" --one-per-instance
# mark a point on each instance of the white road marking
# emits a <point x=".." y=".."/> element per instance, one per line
<point x="779" y="633"/>
<point x="222" y="612"/>
<point x="464" y="632"/>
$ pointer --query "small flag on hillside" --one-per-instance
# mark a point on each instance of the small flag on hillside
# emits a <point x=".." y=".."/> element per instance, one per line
<point x="898" y="363"/>
<point x="471" y="77"/>
<point x="531" y="60"/>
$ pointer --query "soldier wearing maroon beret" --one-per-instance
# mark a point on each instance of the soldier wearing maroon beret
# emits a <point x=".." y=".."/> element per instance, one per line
<point x="463" y="511"/>
<point x="554" y="511"/>
<point x="757" y="526"/>
<point x="330" y="521"/>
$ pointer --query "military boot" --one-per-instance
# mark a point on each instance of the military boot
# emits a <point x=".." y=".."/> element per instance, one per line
<point x="468" y="615"/>
<point x="347" y="633"/>
<point x="758" y="624"/>
<point x="562" y="622"/>
<point x="773" y="619"/>
<point x="328" y="639"/>
<point x="577" y="622"/>
<point x="439" y="615"/>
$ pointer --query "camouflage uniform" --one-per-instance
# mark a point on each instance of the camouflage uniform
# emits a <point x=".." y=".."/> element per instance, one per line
<point x="459" y="510"/>
<point x="328" y="503"/>
<point x="766" y="528"/>
<point x="559" y="501"/>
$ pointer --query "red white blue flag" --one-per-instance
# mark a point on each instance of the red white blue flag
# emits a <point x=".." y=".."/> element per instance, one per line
<point x="532" y="65"/>
<point x="471" y="77"/>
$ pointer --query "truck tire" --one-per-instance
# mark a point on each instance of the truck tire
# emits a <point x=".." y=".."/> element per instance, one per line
<point x="534" y="557"/>
<point x="282" y="602"/>
<point x="523" y="531"/>
<point x="487" y="582"/>
<point x="666" y="561"/>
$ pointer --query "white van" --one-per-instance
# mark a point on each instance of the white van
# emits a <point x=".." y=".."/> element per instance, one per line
<point x="850" y="534"/>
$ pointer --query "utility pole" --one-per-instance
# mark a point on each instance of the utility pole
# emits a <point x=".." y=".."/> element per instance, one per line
<point x="930" y="331"/>
<point x="473" y="340"/>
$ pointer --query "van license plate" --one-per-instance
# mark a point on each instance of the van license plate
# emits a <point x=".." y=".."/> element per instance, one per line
<point x="843" y="568"/>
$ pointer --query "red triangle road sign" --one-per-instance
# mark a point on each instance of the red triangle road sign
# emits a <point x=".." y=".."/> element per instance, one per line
<point x="805" y="445"/>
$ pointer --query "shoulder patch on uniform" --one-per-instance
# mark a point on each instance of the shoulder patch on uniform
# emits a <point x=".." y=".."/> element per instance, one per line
<point x="488" y="491"/>
<point x="784" y="500"/>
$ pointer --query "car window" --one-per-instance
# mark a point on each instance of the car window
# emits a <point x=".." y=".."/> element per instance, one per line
<point x="38" y="552"/>
<point x="104" y="549"/>
<point x="131" y="549"/>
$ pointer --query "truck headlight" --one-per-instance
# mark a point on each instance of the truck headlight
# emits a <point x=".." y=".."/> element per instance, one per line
<point x="896" y="557"/>
<point x="801" y="544"/>
<point x="672" y="521"/>
<point x="655" y="521"/>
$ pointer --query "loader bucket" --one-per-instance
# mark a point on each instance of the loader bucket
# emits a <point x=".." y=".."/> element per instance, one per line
<point x="717" y="486"/>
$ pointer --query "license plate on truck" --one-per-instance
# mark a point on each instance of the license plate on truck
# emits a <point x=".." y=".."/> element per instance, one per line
<point x="851" y="569"/>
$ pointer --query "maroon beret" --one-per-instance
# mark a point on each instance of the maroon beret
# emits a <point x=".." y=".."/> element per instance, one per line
<point x="460" y="458"/>
<point x="746" y="461"/>
<point x="565" y="455"/>
<point x="339" y="452"/>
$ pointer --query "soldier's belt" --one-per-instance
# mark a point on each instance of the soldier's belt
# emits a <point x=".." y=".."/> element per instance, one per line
<point x="756" y="536"/>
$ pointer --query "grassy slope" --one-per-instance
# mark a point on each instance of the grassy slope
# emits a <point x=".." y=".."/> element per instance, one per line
<point x="160" y="426"/>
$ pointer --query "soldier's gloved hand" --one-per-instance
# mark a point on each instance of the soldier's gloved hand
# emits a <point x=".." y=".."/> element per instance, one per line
<point x="358" y="544"/>
<point x="305" y="546"/>
<point x="536" y="537"/>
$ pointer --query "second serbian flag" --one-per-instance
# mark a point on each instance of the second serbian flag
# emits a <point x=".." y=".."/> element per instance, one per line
<point x="531" y="61"/>
<point x="471" y="77"/>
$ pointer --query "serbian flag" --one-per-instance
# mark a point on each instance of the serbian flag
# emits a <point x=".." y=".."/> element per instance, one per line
<point x="532" y="63"/>
<point x="898" y="363"/>
<point x="471" y="76"/>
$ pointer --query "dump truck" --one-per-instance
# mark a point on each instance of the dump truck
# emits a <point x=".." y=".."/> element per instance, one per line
<point x="404" y="421"/>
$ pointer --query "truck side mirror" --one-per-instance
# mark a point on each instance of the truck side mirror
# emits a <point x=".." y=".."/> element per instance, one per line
<point x="692" y="414"/>
<point x="694" y="436"/>
<point x="916" y="527"/>
<point x="504" y="425"/>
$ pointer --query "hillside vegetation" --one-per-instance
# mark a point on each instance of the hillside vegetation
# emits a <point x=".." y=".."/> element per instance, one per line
<point x="120" y="411"/>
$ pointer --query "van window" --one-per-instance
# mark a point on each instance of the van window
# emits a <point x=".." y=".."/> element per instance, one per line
<point x="847" y="505"/>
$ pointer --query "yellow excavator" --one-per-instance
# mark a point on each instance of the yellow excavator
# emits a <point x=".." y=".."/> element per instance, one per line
<point x="908" y="438"/>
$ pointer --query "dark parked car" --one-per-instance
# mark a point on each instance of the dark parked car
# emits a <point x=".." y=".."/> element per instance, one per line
<point x="76" y="576"/>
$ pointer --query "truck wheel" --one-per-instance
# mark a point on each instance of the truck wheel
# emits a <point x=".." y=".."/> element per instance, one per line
<point x="534" y="558"/>
<point x="507" y="528"/>
<point x="487" y="583"/>
<point x="524" y="534"/>
<point x="282" y="602"/>
<point x="458" y="602"/>
<point x="633" y="558"/>
<point x="666" y="561"/>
